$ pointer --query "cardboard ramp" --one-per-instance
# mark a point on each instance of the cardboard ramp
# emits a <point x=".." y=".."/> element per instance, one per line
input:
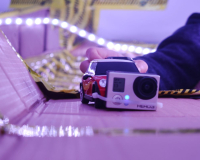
<point x="67" y="129"/>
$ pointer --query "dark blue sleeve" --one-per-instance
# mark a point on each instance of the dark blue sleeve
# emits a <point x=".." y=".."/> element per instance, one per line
<point x="177" y="59"/>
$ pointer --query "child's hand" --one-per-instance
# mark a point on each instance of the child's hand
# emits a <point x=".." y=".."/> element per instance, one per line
<point x="102" y="53"/>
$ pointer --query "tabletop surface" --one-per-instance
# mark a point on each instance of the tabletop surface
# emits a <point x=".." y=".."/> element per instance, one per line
<point x="112" y="132"/>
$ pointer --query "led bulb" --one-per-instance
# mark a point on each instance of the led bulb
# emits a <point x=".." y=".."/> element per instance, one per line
<point x="100" y="41"/>
<point x="73" y="29"/>
<point x="91" y="37"/>
<point x="117" y="47"/>
<point x="38" y="21"/>
<point x="138" y="50"/>
<point x="67" y="67"/>
<point x="8" y="21"/>
<point x="82" y="33"/>
<point x="55" y="21"/>
<point x="153" y="50"/>
<point x="46" y="20"/>
<point x="110" y="45"/>
<point x="29" y="21"/>
<point x="146" y="51"/>
<point x="131" y="48"/>
<point x="64" y="24"/>
<point x="18" y="21"/>
<point x="51" y="55"/>
<point x="127" y="97"/>
<point x="124" y="47"/>
<point x="44" y="61"/>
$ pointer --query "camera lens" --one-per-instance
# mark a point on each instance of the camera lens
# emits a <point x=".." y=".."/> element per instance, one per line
<point x="145" y="87"/>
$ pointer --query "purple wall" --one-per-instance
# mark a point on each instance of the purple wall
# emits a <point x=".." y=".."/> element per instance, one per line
<point x="4" y="5"/>
<point x="33" y="40"/>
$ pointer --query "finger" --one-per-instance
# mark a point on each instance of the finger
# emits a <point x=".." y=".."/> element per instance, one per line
<point x="92" y="53"/>
<point x="84" y="66"/>
<point x="141" y="65"/>
<point x="100" y="53"/>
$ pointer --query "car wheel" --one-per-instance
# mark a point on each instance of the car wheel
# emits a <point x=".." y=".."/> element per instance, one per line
<point x="83" y="100"/>
<point x="98" y="102"/>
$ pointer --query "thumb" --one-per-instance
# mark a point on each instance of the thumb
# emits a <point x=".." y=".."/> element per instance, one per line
<point x="141" y="65"/>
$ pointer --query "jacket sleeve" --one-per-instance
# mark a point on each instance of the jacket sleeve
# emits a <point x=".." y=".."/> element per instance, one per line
<point x="177" y="59"/>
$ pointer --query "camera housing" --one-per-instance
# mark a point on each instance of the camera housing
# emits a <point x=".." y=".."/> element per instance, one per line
<point x="132" y="90"/>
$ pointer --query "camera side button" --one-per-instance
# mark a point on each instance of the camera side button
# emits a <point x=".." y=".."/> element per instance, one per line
<point x="117" y="99"/>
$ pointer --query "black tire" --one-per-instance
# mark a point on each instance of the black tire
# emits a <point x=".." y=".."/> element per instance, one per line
<point x="82" y="94"/>
<point x="98" y="102"/>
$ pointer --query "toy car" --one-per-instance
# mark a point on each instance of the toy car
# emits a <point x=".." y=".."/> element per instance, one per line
<point x="115" y="82"/>
<point x="94" y="79"/>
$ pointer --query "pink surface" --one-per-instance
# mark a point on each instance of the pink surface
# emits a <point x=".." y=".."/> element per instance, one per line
<point x="12" y="32"/>
<point x="52" y="38"/>
<point x="18" y="91"/>
<point x="177" y="113"/>
<point x="73" y="113"/>
<point x="32" y="38"/>
<point x="98" y="148"/>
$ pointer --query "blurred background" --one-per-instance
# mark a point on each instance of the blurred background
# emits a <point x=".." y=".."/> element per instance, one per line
<point x="52" y="36"/>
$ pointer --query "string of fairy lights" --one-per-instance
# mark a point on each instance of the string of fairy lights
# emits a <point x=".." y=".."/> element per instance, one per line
<point x="123" y="48"/>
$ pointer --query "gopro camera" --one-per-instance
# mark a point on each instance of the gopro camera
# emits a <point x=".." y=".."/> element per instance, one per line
<point x="132" y="90"/>
<point x="115" y="82"/>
